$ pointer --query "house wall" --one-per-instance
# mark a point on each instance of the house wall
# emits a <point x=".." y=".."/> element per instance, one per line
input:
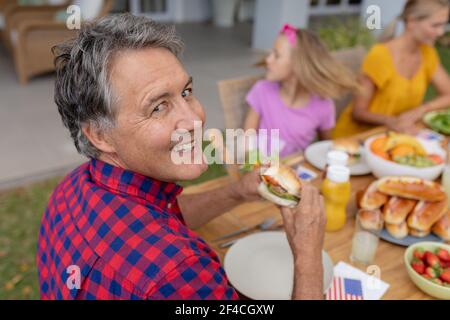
<point x="271" y="15"/>
<point x="390" y="9"/>
<point x="191" y="10"/>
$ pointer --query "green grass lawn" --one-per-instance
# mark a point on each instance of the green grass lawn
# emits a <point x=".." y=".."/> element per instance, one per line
<point x="20" y="214"/>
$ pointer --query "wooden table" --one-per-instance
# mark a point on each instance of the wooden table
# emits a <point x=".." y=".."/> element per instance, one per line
<point x="389" y="257"/>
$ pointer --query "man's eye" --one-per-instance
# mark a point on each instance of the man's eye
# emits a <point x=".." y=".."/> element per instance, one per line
<point x="159" y="108"/>
<point x="187" y="93"/>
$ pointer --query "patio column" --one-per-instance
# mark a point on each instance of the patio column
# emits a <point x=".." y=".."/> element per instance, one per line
<point x="271" y="15"/>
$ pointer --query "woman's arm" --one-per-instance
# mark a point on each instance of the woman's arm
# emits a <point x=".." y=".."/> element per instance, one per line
<point x="251" y="120"/>
<point x="361" y="104"/>
<point x="441" y="82"/>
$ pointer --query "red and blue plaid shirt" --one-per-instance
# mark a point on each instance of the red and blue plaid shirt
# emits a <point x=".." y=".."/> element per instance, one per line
<point x="125" y="233"/>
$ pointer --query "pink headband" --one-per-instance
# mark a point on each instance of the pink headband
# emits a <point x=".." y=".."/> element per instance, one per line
<point x="291" y="34"/>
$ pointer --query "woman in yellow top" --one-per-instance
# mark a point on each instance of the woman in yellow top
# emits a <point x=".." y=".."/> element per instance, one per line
<point x="397" y="72"/>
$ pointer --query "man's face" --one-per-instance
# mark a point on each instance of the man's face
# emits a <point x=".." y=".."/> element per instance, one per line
<point x="155" y="100"/>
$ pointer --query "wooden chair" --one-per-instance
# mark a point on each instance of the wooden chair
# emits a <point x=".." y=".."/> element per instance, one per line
<point x="232" y="94"/>
<point x="36" y="32"/>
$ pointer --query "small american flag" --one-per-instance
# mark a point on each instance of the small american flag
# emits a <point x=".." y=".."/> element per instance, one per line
<point x="345" y="289"/>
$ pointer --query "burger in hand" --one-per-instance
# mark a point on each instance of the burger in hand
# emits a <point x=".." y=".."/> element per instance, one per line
<point x="281" y="186"/>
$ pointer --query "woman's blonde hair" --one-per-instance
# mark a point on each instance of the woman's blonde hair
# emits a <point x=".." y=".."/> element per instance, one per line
<point x="414" y="9"/>
<point x="317" y="71"/>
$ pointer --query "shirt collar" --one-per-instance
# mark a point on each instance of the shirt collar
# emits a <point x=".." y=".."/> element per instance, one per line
<point x="126" y="182"/>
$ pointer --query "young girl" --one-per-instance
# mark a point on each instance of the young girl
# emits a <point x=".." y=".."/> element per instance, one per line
<point x="296" y="97"/>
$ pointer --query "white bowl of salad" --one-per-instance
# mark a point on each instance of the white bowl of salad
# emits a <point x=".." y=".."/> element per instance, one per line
<point x="426" y="162"/>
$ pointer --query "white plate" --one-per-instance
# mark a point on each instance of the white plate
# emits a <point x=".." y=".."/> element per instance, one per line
<point x="261" y="267"/>
<point x="316" y="155"/>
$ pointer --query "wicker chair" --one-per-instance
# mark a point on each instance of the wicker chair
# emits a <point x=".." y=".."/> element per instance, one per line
<point x="232" y="94"/>
<point x="36" y="32"/>
<point x="4" y="4"/>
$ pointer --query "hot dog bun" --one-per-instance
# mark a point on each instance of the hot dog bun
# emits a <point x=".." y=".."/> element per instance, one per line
<point x="372" y="198"/>
<point x="397" y="209"/>
<point x="398" y="231"/>
<point x="411" y="188"/>
<point x="418" y="233"/>
<point x="426" y="214"/>
<point x="442" y="227"/>
<point x="371" y="219"/>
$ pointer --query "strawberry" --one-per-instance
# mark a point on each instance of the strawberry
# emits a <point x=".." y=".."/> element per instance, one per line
<point x="418" y="266"/>
<point x="443" y="255"/>
<point x="445" y="276"/>
<point x="431" y="273"/>
<point x="432" y="260"/>
<point x="419" y="253"/>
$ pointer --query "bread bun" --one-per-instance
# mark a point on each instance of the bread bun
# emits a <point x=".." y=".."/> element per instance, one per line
<point x="266" y="194"/>
<point x="372" y="198"/>
<point x="349" y="146"/>
<point x="286" y="177"/>
<point x="442" y="227"/>
<point x="281" y="186"/>
<point x="371" y="219"/>
<point x="426" y="214"/>
<point x="418" y="233"/>
<point x="411" y="188"/>
<point x="398" y="231"/>
<point x="397" y="209"/>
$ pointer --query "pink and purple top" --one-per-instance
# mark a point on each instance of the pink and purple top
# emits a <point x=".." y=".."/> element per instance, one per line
<point x="298" y="126"/>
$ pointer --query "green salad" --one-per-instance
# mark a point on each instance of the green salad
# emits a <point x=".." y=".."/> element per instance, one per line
<point x="438" y="121"/>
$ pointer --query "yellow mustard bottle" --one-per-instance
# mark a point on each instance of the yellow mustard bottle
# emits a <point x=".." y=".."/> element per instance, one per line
<point x="336" y="191"/>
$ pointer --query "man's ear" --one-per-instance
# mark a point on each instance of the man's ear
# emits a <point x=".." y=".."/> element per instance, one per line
<point x="99" y="138"/>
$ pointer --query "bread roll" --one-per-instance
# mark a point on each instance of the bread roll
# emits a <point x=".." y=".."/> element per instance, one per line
<point x="418" y="233"/>
<point x="372" y="198"/>
<point x="442" y="227"/>
<point x="371" y="219"/>
<point x="426" y="214"/>
<point x="411" y="188"/>
<point x="397" y="209"/>
<point x="398" y="231"/>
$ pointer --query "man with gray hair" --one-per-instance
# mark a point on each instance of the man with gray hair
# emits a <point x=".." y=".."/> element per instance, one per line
<point x="117" y="227"/>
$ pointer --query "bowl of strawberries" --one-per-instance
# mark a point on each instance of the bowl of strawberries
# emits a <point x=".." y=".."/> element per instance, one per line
<point x="428" y="266"/>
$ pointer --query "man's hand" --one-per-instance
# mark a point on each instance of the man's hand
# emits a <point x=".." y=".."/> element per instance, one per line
<point x="305" y="224"/>
<point x="247" y="186"/>
<point x="305" y="230"/>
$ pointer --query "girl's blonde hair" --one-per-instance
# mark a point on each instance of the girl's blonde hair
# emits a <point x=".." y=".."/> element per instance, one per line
<point x="317" y="71"/>
<point x="414" y="9"/>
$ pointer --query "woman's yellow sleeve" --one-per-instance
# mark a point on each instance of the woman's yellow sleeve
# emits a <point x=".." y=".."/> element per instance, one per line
<point x="377" y="66"/>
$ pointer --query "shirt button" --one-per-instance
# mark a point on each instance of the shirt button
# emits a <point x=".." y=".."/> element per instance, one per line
<point x="169" y="206"/>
